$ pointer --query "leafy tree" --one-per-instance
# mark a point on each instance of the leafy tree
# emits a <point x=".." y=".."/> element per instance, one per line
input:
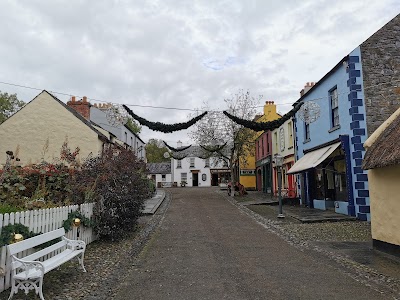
<point x="133" y="125"/>
<point x="215" y="128"/>
<point x="155" y="154"/>
<point x="9" y="104"/>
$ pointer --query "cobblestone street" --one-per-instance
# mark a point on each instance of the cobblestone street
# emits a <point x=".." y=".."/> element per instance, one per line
<point x="210" y="247"/>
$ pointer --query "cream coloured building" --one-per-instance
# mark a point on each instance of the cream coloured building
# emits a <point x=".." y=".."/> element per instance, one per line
<point x="39" y="129"/>
<point x="382" y="160"/>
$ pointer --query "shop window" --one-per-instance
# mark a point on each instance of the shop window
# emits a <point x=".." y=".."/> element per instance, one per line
<point x="340" y="180"/>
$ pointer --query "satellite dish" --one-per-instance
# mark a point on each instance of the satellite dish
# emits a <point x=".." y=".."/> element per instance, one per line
<point x="309" y="112"/>
<point x="166" y="155"/>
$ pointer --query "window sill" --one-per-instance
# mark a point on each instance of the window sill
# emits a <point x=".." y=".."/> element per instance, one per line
<point x="291" y="147"/>
<point x="306" y="141"/>
<point x="179" y="167"/>
<point x="334" y="128"/>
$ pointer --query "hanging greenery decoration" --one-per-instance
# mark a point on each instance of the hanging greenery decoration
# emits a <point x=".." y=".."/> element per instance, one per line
<point x="176" y="149"/>
<point x="72" y="216"/>
<point x="216" y="148"/>
<point x="166" y="128"/>
<point x="264" y="125"/>
<point x="9" y="232"/>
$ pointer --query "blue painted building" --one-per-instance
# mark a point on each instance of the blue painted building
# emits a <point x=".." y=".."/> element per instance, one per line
<point x="354" y="98"/>
<point x="329" y="150"/>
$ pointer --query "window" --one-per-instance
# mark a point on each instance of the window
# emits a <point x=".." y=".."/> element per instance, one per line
<point x="192" y="162"/>
<point x="207" y="163"/>
<point x="290" y="134"/>
<point x="334" y="104"/>
<point x="163" y="178"/>
<point x="267" y="141"/>
<point x="178" y="164"/>
<point x="306" y="131"/>
<point x="132" y="142"/>
<point x="276" y="140"/>
<point x="184" y="177"/>
<point x="126" y="137"/>
<point x="262" y="145"/>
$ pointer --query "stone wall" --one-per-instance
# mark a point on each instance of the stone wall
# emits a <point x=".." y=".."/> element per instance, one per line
<point x="380" y="55"/>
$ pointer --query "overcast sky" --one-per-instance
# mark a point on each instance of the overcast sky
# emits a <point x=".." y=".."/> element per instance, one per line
<point x="179" y="53"/>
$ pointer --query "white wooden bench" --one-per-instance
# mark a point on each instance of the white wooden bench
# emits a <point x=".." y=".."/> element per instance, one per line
<point x="28" y="271"/>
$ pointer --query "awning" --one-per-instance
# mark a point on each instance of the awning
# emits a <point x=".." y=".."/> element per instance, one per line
<point x="313" y="159"/>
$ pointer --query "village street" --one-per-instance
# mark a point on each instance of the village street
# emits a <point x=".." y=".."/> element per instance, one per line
<point x="207" y="248"/>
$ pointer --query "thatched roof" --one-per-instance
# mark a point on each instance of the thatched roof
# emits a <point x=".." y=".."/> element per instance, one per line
<point x="385" y="149"/>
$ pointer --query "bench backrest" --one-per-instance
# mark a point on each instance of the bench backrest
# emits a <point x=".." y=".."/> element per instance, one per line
<point x="35" y="241"/>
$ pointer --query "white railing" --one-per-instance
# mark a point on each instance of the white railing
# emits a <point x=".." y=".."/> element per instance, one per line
<point x="43" y="220"/>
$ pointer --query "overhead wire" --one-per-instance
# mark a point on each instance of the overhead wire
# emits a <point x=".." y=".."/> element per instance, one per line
<point x="147" y="106"/>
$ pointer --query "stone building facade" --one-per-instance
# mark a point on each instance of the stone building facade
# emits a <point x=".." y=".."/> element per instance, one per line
<point x="380" y="59"/>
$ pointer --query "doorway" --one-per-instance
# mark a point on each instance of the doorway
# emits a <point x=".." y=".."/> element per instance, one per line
<point x="195" y="179"/>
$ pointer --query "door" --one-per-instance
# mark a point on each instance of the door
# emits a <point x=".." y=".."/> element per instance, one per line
<point x="195" y="178"/>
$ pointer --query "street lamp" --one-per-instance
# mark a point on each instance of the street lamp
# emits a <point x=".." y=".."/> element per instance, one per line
<point x="278" y="163"/>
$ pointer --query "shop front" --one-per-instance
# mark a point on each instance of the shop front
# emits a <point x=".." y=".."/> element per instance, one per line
<point x="264" y="175"/>
<point x="325" y="178"/>
<point x="220" y="176"/>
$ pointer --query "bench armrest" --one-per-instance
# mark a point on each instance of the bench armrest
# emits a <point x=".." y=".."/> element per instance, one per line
<point x="75" y="244"/>
<point x="27" y="267"/>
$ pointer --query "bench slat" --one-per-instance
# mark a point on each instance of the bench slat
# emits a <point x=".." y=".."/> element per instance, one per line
<point x="43" y="252"/>
<point x="35" y="241"/>
<point x="51" y="263"/>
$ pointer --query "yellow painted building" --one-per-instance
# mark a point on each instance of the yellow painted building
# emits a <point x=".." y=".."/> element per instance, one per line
<point x="247" y="171"/>
<point x="382" y="160"/>
<point x="40" y="128"/>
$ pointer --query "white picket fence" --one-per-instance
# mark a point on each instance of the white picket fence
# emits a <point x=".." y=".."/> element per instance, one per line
<point x="43" y="220"/>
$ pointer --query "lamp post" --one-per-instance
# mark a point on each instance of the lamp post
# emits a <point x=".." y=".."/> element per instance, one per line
<point x="278" y="163"/>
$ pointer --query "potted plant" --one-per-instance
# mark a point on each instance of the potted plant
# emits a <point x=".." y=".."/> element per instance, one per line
<point x="183" y="183"/>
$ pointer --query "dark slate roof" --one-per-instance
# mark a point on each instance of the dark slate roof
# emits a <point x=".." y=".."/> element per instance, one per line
<point x="159" y="168"/>
<point x="385" y="151"/>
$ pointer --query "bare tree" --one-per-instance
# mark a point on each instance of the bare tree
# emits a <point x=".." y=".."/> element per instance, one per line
<point x="216" y="129"/>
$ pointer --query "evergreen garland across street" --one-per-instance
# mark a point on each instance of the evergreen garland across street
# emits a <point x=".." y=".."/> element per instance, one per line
<point x="176" y="149"/>
<point x="166" y="128"/>
<point x="213" y="149"/>
<point x="264" y="125"/>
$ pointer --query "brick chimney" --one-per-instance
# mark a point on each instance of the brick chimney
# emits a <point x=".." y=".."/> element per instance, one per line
<point x="269" y="108"/>
<point x="307" y="87"/>
<point x="82" y="106"/>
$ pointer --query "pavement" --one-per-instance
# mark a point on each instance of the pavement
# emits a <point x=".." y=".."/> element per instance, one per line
<point x="151" y="205"/>
<point x="209" y="248"/>
<point x="301" y="213"/>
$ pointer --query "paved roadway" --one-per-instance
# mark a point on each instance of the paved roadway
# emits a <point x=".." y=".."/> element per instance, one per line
<point x="206" y="248"/>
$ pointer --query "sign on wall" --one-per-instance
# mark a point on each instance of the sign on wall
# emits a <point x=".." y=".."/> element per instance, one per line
<point x="247" y="172"/>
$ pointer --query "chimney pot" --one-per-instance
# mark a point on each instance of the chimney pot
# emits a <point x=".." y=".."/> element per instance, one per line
<point x="73" y="98"/>
<point x="84" y="99"/>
